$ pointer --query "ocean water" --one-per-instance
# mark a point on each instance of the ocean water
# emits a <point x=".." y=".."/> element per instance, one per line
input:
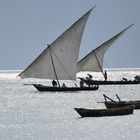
<point x="26" y="114"/>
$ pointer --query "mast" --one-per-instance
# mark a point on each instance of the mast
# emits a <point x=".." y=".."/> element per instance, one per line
<point x="54" y="67"/>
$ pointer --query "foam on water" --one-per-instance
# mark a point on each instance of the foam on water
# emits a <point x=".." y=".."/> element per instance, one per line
<point x="28" y="114"/>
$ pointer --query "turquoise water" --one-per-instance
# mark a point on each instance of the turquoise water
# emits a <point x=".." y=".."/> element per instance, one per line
<point x="26" y="114"/>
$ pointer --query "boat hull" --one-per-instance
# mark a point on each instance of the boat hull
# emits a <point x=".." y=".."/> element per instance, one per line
<point x="96" y="82"/>
<point x="42" y="88"/>
<point x="105" y="112"/>
<point x="110" y="104"/>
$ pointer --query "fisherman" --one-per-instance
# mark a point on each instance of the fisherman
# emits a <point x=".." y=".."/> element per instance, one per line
<point x="81" y="83"/>
<point x="137" y="78"/>
<point x="124" y="79"/>
<point x="89" y="78"/>
<point x="54" y="83"/>
<point x="64" y="85"/>
<point x="105" y="75"/>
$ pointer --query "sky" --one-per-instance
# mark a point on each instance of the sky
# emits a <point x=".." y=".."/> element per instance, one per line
<point x="27" y="26"/>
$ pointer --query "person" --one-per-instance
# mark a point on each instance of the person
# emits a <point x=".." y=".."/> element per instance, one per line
<point x="124" y="79"/>
<point x="63" y="85"/>
<point x="89" y="78"/>
<point x="105" y="75"/>
<point x="81" y="83"/>
<point x="137" y="78"/>
<point x="54" y="83"/>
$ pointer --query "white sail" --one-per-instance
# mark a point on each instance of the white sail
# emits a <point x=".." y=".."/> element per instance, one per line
<point x="94" y="60"/>
<point x="61" y="56"/>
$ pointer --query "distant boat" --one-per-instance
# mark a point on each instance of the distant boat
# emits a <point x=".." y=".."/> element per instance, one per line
<point x="83" y="112"/>
<point x="94" y="62"/>
<point x="59" y="60"/>
<point x="121" y="103"/>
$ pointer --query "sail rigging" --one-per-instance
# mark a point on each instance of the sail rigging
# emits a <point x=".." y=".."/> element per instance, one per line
<point x="64" y="49"/>
<point x="94" y="60"/>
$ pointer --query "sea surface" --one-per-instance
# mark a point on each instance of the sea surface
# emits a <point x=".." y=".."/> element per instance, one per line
<point x="27" y="114"/>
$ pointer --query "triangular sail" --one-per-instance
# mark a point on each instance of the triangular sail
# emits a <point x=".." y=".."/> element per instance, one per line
<point x="64" y="50"/>
<point x="90" y="62"/>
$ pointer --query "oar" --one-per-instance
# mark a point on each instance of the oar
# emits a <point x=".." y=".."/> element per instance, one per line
<point x="100" y="102"/>
<point x="27" y="84"/>
<point x="118" y="98"/>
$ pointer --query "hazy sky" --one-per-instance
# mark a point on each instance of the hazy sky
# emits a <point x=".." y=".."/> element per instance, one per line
<point x="26" y="26"/>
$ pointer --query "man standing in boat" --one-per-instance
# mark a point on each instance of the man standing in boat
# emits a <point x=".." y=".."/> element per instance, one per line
<point x="105" y="76"/>
<point x="54" y="83"/>
<point x="81" y="83"/>
<point x="89" y="78"/>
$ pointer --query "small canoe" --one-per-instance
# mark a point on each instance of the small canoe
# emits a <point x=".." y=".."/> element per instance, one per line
<point x="110" y="104"/>
<point x="113" y="104"/>
<point x="105" y="112"/>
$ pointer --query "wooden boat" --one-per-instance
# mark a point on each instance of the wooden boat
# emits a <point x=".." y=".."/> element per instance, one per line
<point x="96" y="82"/>
<point x="113" y="104"/>
<point x="94" y="62"/>
<point x="110" y="104"/>
<point x="105" y="112"/>
<point x="59" y="60"/>
<point x="40" y="87"/>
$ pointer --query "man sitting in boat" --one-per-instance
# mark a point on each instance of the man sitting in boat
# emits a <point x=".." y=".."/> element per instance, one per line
<point x="137" y="78"/>
<point x="64" y="85"/>
<point x="124" y="79"/>
<point x="54" y="83"/>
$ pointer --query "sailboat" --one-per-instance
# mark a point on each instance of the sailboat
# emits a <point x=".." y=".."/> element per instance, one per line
<point x="94" y="62"/>
<point x="59" y="60"/>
